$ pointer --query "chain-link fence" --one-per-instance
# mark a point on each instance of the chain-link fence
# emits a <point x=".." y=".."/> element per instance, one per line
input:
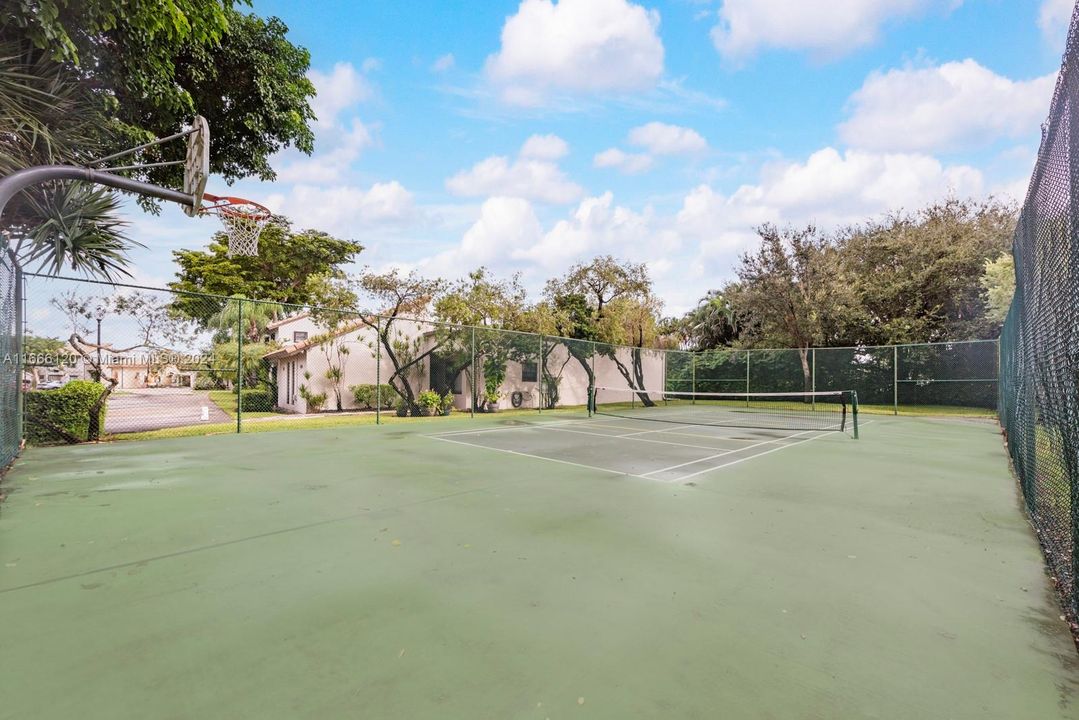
<point x="895" y="377"/>
<point x="145" y="362"/>
<point x="1039" y="390"/>
<point x="10" y="355"/>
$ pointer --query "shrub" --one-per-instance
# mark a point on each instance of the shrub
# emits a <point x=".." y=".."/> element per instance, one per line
<point x="256" y="400"/>
<point x="429" y="401"/>
<point x="315" y="401"/>
<point x="204" y="382"/>
<point x="447" y="403"/>
<point x="66" y="408"/>
<point x="367" y="395"/>
<point x="402" y="408"/>
<point x="364" y="395"/>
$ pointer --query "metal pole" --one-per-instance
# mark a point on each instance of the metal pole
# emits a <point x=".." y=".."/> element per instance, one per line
<point x="378" y="371"/>
<point x="20" y="314"/>
<point x="747" y="378"/>
<point x="540" y="364"/>
<point x="239" y="364"/>
<point x="22" y="179"/>
<point x="895" y="379"/>
<point x="693" y="376"/>
<point x="98" y="371"/>
<point x="813" y="375"/>
<point x="472" y="379"/>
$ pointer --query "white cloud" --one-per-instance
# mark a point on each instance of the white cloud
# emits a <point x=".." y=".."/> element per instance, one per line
<point x="576" y="46"/>
<point x="945" y="107"/>
<point x="338" y="90"/>
<point x="826" y="27"/>
<point x="1054" y="16"/>
<point x="344" y="209"/>
<point x="596" y="226"/>
<point x="526" y="177"/>
<point x="329" y="165"/>
<point x="443" y="63"/>
<point x="663" y="139"/>
<point x="505" y="227"/>
<point x="629" y="163"/>
<point x="544" y="147"/>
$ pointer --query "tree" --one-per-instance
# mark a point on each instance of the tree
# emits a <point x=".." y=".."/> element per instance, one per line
<point x="41" y="351"/>
<point x="917" y="277"/>
<point x="998" y="283"/>
<point x="153" y="66"/>
<point x="713" y="323"/>
<point x="80" y="80"/>
<point x="155" y="325"/>
<point x="788" y="291"/>
<point x="584" y="298"/>
<point x="51" y="116"/>
<point x="403" y="297"/>
<point x="491" y="306"/>
<point x="291" y="268"/>
<point x="242" y="316"/>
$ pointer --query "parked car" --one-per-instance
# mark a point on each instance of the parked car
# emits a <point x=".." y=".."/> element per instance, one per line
<point x="51" y="385"/>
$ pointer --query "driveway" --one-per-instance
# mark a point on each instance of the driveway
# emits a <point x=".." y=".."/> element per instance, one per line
<point x="154" y="408"/>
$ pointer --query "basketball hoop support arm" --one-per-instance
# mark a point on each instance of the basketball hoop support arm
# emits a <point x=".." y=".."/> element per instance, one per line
<point x="22" y="179"/>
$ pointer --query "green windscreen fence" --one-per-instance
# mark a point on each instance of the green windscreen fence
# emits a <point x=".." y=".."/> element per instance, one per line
<point x="1039" y="349"/>
<point x="957" y="374"/>
<point x="10" y="356"/>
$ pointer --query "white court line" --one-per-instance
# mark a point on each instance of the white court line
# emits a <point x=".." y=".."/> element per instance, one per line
<point x="672" y="431"/>
<point x="621" y="437"/>
<point x="728" y="452"/>
<point x="524" y="426"/>
<point x="757" y="455"/>
<point x="537" y="457"/>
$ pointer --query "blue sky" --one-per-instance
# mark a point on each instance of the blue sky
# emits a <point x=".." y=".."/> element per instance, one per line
<point x="528" y="135"/>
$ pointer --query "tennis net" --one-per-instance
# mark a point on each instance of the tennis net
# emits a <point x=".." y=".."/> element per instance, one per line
<point x="832" y="410"/>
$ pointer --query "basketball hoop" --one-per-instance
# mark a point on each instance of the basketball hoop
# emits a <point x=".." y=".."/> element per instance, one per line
<point x="243" y="221"/>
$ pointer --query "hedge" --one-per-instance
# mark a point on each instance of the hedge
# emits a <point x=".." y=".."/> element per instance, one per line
<point x="256" y="400"/>
<point x="66" y="408"/>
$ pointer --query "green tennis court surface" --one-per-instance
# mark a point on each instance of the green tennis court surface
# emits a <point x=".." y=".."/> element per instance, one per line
<point x="555" y="568"/>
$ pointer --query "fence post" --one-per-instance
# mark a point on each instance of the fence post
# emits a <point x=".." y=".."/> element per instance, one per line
<point x="20" y="316"/>
<point x="378" y="370"/>
<point x="540" y="365"/>
<point x="239" y="364"/>
<point x="813" y="375"/>
<point x="693" y="376"/>
<point x="747" y="378"/>
<point x="472" y="379"/>
<point x="895" y="379"/>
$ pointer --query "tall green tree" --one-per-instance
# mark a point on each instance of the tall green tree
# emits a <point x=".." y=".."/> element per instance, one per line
<point x="918" y="276"/>
<point x="591" y="300"/>
<point x="79" y="80"/>
<point x="788" y="292"/>
<point x="154" y="64"/>
<point x="998" y="283"/>
<point x="713" y="323"/>
<point x="291" y="267"/>
<point x="401" y="298"/>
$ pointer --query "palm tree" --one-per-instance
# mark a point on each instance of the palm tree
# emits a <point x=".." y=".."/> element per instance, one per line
<point x="50" y="115"/>
<point x="250" y="315"/>
<point x="713" y="323"/>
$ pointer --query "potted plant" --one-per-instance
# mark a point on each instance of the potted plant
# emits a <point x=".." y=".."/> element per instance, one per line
<point x="492" y="401"/>
<point x="402" y="408"/>
<point x="429" y="402"/>
<point x="447" y="403"/>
